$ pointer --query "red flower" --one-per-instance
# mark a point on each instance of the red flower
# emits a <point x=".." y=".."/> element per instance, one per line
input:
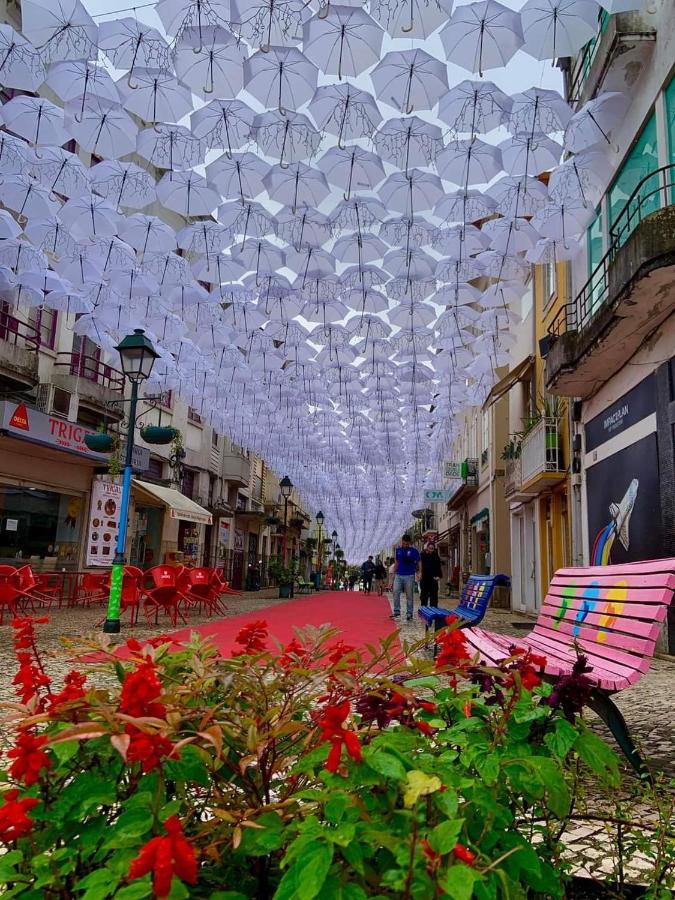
<point x="464" y="855"/>
<point x="291" y="651"/>
<point x="29" y="758"/>
<point x="253" y="638"/>
<point x="137" y="646"/>
<point x="433" y="859"/>
<point x="73" y="689"/>
<point x="140" y="690"/>
<point x="528" y="664"/>
<point x="453" y="653"/>
<point x="165" y="857"/>
<point x="14" y="821"/>
<point x="31" y="676"/>
<point x="331" y="724"/>
<point x="148" y="749"/>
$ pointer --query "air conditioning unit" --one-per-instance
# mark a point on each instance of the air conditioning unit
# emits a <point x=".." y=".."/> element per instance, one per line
<point x="54" y="401"/>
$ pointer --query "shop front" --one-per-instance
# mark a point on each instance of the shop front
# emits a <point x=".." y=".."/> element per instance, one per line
<point x="167" y="527"/>
<point x="46" y="475"/>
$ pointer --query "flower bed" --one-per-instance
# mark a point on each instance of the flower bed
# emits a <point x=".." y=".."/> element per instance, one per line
<point x="294" y="772"/>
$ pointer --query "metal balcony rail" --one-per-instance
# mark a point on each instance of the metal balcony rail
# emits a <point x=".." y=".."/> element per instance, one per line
<point x="17" y="332"/>
<point x="584" y="61"/>
<point x="91" y="369"/>
<point x="540" y="450"/>
<point x="655" y="191"/>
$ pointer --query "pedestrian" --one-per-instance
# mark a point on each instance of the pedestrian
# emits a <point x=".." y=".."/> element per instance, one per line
<point x="353" y="578"/>
<point x="407" y="565"/>
<point x="431" y="572"/>
<point x="391" y="569"/>
<point x="367" y="572"/>
<point x="380" y="576"/>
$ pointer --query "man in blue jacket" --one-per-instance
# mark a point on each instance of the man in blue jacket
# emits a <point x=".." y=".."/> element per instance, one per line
<point x="407" y="564"/>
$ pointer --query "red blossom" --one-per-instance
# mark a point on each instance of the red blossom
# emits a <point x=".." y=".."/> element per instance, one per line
<point x="528" y="665"/>
<point x="331" y="723"/>
<point x="453" y="652"/>
<point x="73" y="689"/>
<point x="166" y="856"/>
<point x="253" y="638"/>
<point x="31" y="676"/>
<point x="433" y="859"/>
<point x="464" y="855"/>
<point x="30" y="760"/>
<point x="148" y="749"/>
<point x="14" y="821"/>
<point x="292" y="650"/>
<point x="138" y="646"/>
<point x="140" y="690"/>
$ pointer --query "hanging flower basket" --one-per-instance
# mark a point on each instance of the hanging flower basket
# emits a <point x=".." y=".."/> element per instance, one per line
<point x="100" y="442"/>
<point x="158" y="434"/>
<point x="273" y="520"/>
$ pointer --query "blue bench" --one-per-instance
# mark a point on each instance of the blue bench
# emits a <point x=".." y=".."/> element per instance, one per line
<point x="472" y="605"/>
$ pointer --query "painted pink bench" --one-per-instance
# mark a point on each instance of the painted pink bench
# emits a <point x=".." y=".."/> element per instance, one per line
<point x="613" y="614"/>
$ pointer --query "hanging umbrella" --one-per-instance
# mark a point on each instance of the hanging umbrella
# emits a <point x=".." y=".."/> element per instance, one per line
<point x="19" y="256"/>
<point x="260" y="257"/>
<point x="409" y="80"/>
<point x="25" y="196"/>
<point x="297" y="186"/>
<point x="177" y="15"/>
<point x="418" y="265"/>
<point x="549" y="251"/>
<point x="502" y="265"/>
<point x="411" y="193"/>
<point x="351" y="169"/>
<point x="172" y="147"/>
<point x="290" y="137"/>
<point x="465" y="206"/>
<point x="469" y="162"/>
<point x="460" y="240"/>
<point x="474" y="107"/>
<point x="409" y="231"/>
<point x="563" y="220"/>
<point x="8" y="226"/>
<point x="357" y="213"/>
<point x="306" y="227"/>
<point x="147" y="233"/>
<point x="210" y="62"/>
<point x="455" y="271"/>
<point x="102" y="128"/>
<point x="538" y="110"/>
<point x="59" y="29"/>
<point x="410" y="18"/>
<point x="281" y="77"/>
<point x="21" y="67"/>
<point x="187" y="193"/>
<point x="87" y="216"/>
<point x="359" y="248"/>
<point x="130" y="43"/>
<point x="77" y="80"/>
<point x="123" y="184"/>
<point x="155" y="96"/>
<point x="345" y="111"/>
<point x="35" y="119"/>
<point x="584" y="175"/>
<point x="222" y="124"/>
<point x="408" y="315"/>
<point x="268" y="23"/>
<point x="484" y="35"/>
<point x="238" y="176"/>
<point x="61" y="172"/>
<point x="408" y="142"/>
<point x="509" y="235"/>
<point x="595" y="123"/>
<point x="15" y="154"/>
<point x="558" y="28"/>
<point x="527" y="154"/>
<point x="250" y="219"/>
<point x="516" y="196"/>
<point x="344" y="42"/>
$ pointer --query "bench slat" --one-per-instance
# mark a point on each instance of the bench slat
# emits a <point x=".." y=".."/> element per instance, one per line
<point x="640" y="613"/>
<point x="613" y="655"/>
<point x="644" y="567"/>
<point x="655" y="594"/>
<point x="597" y="632"/>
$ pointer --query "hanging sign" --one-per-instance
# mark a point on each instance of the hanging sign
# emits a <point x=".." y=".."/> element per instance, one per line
<point x="224" y="532"/>
<point x="104" y="523"/>
<point x="19" y="420"/>
<point x="438" y="496"/>
<point x="452" y="469"/>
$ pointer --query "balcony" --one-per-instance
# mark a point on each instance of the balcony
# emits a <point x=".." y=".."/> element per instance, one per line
<point x="236" y="469"/>
<point x="468" y="486"/>
<point x="614" y="59"/>
<point x="626" y="298"/>
<point x="98" y="385"/>
<point x="19" y="343"/>
<point x="541" y="463"/>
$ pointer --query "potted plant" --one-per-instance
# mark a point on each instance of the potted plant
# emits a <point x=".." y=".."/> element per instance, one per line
<point x="283" y="576"/>
<point x="272" y="520"/>
<point x="158" y="434"/>
<point x="100" y="441"/>
<point x="552" y="411"/>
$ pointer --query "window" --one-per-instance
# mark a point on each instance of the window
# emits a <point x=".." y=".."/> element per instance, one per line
<point x="193" y="416"/>
<point x="595" y="248"/>
<point x="188" y="485"/>
<point x="44" y="322"/>
<point x="669" y="96"/>
<point x="166" y="399"/>
<point x="638" y="164"/>
<point x="214" y="439"/>
<point x="485" y="436"/>
<point x="547" y="283"/>
<point x="155" y="468"/>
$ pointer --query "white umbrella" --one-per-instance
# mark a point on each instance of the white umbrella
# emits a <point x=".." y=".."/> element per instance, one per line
<point x="345" y="111"/>
<point x="351" y="169"/>
<point x="558" y="28"/>
<point x="267" y="23"/>
<point x="410" y="18"/>
<point x="68" y="302"/>
<point x="90" y="216"/>
<point x="156" y="96"/>
<point x="123" y="184"/>
<point x="260" y="257"/>
<point x="297" y="186"/>
<point x="20" y="64"/>
<point x="481" y="36"/>
<point x="596" y="121"/>
<point x="223" y="124"/>
<point x="25" y="196"/>
<point x="61" y="172"/>
<point x="59" y="29"/>
<point x="15" y="154"/>
<point x="509" y="235"/>
<point x="538" y="110"/>
<point x="280" y="77"/>
<point x="411" y="193"/>
<point x="408" y="142"/>
<point x="346" y="41"/>
<point x="187" y="193"/>
<point x="147" y="233"/>
<point x="177" y="15"/>
<point x="584" y="175"/>
<point x="563" y="220"/>
<point x="408" y="315"/>
<point x="548" y="251"/>
<point x="290" y="137"/>
<point x="102" y="128"/>
<point x="469" y="162"/>
<point x="359" y="248"/>
<point x="8" y="226"/>
<point x="527" y="154"/>
<point x="19" y="256"/>
<point x="80" y="79"/>
<point x="409" y="80"/>
<point x="306" y="227"/>
<point x="210" y="62"/>
<point x="518" y="195"/>
<point x="129" y="43"/>
<point x="465" y="206"/>
<point x="171" y="147"/>
<point x="403" y="264"/>
<point x="474" y="107"/>
<point x="249" y="219"/>
<point x="35" y="119"/>
<point x="239" y="175"/>
<point x="460" y="240"/>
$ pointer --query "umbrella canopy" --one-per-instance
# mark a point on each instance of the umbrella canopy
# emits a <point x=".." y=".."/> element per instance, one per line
<point x="345" y="111"/>
<point x="21" y="66"/>
<point x="280" y="77"/>
<point x="187" y="193"/>
<point x="35" y="119"/>
<point x="351" y="169"/>
<point x="222" y="124"/>
<point x="474" y="107"/>
<point x="297" y="186"/>
<point x="155" y="96"/>
<point x="102" y="128"/>
<point x="210" y="61"/>
<point x="344" y="41"/>
<point x="171" y="147"/>
<point x="555" y="28"/>
<point x="408" y="142"/>
<point x="482" y="36"/>
<point x="59" y="29"/>
<point x="409" y="80"/>
<point x="290" y="137"/>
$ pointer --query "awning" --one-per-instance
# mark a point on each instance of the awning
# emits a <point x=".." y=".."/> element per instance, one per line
<point x="179" y="506"/>
<point x="483" y="514"/>
<point x="504" y="385"/>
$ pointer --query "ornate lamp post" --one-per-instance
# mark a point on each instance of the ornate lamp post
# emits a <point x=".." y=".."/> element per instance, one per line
<point x="137" y="357"/>
<point x="286" y="486"/>
<point x="319" y="522"/>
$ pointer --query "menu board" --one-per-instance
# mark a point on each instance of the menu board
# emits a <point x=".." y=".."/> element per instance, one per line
<point x="104" y="523"/>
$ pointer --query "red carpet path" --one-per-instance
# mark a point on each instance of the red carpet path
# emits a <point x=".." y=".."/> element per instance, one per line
<point x="360" y="618"/>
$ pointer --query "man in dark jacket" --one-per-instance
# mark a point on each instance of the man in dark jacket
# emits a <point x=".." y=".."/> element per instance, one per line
<point x="431" y="574"/>
<point x="367" y="572"/>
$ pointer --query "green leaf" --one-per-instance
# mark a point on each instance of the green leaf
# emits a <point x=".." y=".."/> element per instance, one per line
<point x="385" y="764"/>
<point x="598" y="756"/>
<point x="191" y="767"/>
<point x="333" y="890"/>
<point x="561" y="741"/>
<point x="426" y="681"/>
<point x="137" y="890"/>
<point x="228" y="895"/>
<point x="261" y="841"/>
<point x="134" y="823"/>
<point x="65" y="751"/>
<point x="305" y="878"/>
<point x="487" y="766"/>
<point x="458" y="882"/>
<point x="444" y="836"/>
<point x="98" y="884"/>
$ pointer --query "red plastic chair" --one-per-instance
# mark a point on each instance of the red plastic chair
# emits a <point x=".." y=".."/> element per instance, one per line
<point x="162" y="593"/>
<point x="9" y="591"/>
<point x="94" y="588"/>
<point x="132" y="590"/>
<point x="197" y="590"/>
<point x="220" y="584"/>
<point x="36" y="588"/>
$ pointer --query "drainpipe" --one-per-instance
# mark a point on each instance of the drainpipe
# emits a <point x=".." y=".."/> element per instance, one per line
<point x="575" y="480"/>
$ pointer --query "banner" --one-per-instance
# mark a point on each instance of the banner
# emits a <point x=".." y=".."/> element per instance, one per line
<point x="104" y="523"/>
<point x="438" y="496"/>
<point x="452" y="470"/>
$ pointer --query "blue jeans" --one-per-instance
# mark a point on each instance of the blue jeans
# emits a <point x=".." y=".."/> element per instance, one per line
<point x="403" y="583"/>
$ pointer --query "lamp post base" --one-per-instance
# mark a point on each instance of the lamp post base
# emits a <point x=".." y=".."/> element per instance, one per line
<point x="111" y="626"/>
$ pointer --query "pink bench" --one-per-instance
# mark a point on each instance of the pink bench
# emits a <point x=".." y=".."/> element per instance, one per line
<point x="613" y="614"/>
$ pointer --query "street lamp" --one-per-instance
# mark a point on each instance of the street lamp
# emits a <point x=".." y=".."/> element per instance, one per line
<point x="286" y="486"/>
<point x="319" y="522"/>
<point x="137" y="356"/>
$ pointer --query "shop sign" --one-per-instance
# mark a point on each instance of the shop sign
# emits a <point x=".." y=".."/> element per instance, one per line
<point x="238" y="539"/>
<point x="22" y="421"/>
<point x="104" y="523"/>
<point x="452" y="469"/>
<point x="438" y="496"/>
<point x="628" y="410"/>
<point x="140" y="457"/>
<point x="224" y="532"/>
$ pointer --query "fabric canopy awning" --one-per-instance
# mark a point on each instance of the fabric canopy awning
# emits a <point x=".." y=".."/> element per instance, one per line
<point x="483" y="514"/>
<point x="520" y="373"/>
<point x="179" y="506"/>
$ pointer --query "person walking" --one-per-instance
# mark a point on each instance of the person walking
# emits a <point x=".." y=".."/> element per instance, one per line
<point x="380" y="576"/>
<point x="367" y="572"/>
<point x="407" y="564"/>
<point x="391" y="564"/>
<point x="431" y="572"/>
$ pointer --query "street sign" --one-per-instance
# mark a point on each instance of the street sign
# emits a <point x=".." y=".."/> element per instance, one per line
<point x="440" y="496"/>
<point x="452" y="469"/>
<point x="140" y="458"/>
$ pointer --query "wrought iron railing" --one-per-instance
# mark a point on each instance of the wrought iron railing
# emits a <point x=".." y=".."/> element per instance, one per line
<point x="17" y="332"/>
<point x="541" y="452"/>
<point x="655" y="191"/>
<point x="91" y="369"/>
